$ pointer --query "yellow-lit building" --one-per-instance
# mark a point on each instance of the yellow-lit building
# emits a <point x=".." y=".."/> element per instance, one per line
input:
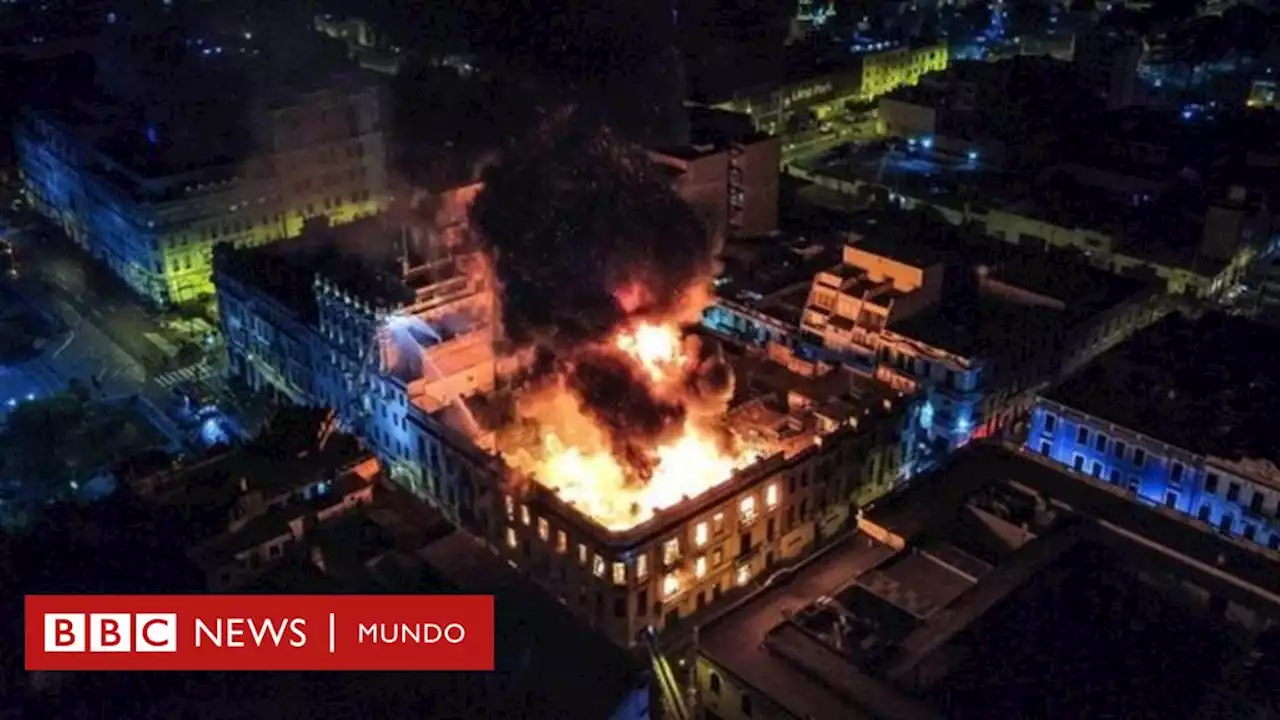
<point x="876" y="71"/>
<point x="152" y="201"/>
<point x="888" y="70"/>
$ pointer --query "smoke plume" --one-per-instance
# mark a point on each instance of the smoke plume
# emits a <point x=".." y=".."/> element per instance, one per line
<point x="574" y="220"/>
<point x="584" y="232"/>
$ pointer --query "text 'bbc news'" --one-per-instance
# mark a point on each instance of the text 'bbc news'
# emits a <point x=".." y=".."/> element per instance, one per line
<point x="259" y="632"/>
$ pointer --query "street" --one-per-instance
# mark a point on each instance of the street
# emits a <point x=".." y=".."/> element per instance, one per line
<point x="100" y="336"/>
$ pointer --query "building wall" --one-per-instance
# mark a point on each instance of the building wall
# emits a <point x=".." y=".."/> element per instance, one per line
<point x="722" y="697"/>
<point x="322" y="156"/>
<point x="883" y="72"/>
<point x="1157" y="473"/>
<point x="777" y="519"/>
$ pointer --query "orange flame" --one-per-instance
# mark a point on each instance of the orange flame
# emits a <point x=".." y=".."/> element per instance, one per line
<point x="574" y="461"/>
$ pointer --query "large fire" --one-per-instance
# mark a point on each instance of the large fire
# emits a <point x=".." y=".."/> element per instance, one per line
<point x="575" y="453"/>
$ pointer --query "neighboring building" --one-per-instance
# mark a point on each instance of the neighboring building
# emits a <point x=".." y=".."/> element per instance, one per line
<point x="151" y="192"/>
<point x="1107" y="62"/>
<point x="396" y="331"/>
<point x="872" y="71"/>
<point x="991" y="575"/>
<point x="728" y="172"/>
<point x="968" y="328"/>
<point x="1179" y="415"/>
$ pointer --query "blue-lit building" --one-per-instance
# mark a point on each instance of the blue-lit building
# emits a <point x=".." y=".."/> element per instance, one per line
<point x="970" y="330"/>
<point x="148" y="178"/>
<point x="1180" y="415"/>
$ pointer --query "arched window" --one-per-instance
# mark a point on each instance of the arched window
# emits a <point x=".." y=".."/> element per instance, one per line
<point x="715" y="683"/>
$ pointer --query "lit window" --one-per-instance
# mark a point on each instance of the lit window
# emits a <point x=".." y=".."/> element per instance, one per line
<point x="771" y="496"/>
<point x="597" y="567"/>
<point x="748" y="508"/>
<point x="670" y="585"/>
<point x="582" y="553"/>
<point x="642" y="567"/>
<point x="511" y="538"/>
<point x="744" y="574"/>
<point x="524" y="514"/>
<point x="717" y="523"/>
<point x="700" y="534"/>
<point x="511" y="507"/>
<point x="670" y="551"/>
<point x="619" y="574"/>
<point x="544" y="529"/>
<point x="562" y="541"/>
<point x="700" y="566"/>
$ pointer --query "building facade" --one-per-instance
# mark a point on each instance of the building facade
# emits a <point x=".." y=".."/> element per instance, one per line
<point x="1127" y="421"/>
<point x="153" y="213"/>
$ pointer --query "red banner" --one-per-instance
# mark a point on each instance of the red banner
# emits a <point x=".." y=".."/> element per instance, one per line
<point x="259" y="632"/>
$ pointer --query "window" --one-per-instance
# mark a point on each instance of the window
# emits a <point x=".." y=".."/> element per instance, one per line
<point x="1096" y="469"/>
<point x="746" y="705"/>
<point x="670" y="586"/>
<point x="1082" y="436"/>
<point x="562" y="542"/>
<point x="1050" y="423"/>
<point x="1171" y="500"/>
<point x="1211" y="483"/>
<point x="597" y="566"/>
<point x="1273" y="542"/>
<point x="642" y="567"/>
<point x="1205" y="512"/>
<point x="670" y="551"/>
<point x="1134" y="484"/>
<point x="771" y="496"/>
<point x="524" y="514"/>
<point x="715" y="684"/>
<point x="1100" y="443"/>
<point x="747" y="508"/>
<point x="1175" y="473"/>
<point x="619" y="573"/>
<point x="1120" y="449"/>
<point x="700" y="566"/>
<point x="700" y="534"/>
<point x="511" y="538"/>
<point x="743" y="575"/>
<point x="1249" y="532"/>
<point x="582" y="554"/>
<point x="1077" y="463"/>
<point x="1255" y="503"/>
<point x="717" y="523"/>
<point x="1115" y="477"/>
<point x="1233" y="492"/>
<point x="544" y="529"/>
<point x="1045" y="448"/>
<point x="620" y="607"/>
<point x="1139" y="457"/>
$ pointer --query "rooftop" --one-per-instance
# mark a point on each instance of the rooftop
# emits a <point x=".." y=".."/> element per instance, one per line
<point x="984" y="304"/>
<point x="1217" y="400"/>
<point x="362" y="257"/>
<point x="994" y="528"/>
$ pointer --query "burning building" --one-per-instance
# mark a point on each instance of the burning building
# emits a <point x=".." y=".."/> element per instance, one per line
<point x="564" y="405"/>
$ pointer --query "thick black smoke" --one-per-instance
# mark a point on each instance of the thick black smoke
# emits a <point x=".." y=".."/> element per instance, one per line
<point x="572" y="216"/>
<point x="615" y="391"/>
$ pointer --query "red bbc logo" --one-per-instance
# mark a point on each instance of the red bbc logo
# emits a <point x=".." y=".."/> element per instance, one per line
<point x="110" y="632"/>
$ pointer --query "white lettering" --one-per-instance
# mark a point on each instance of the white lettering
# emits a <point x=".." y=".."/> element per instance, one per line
<point x="214" y="636"/>
<point x="231" y="632"/>
<point x="412" y="633"/>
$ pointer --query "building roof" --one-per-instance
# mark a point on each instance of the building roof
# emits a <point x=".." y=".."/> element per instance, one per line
<point x="957" y="567"/>
<point x="1204" y="385"/>
<point x="361" y="257"/>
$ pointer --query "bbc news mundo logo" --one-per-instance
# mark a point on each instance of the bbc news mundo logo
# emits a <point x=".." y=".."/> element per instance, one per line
<point x="259" y="632"/>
